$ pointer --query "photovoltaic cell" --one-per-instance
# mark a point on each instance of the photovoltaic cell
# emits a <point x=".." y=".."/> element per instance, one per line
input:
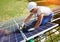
<point x="16" y="37"/>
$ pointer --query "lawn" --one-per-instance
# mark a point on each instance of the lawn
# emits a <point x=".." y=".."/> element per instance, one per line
<point x="12" y="8"/>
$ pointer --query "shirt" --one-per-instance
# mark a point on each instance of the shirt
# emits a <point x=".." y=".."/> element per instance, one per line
<point x="43" y="9"/>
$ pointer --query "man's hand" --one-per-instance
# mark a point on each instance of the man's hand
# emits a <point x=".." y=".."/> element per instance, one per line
<point x="23" y="24"/>
<point x="31" y="29"/>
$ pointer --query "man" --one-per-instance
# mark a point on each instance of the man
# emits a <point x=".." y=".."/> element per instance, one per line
<point x="42" y="14"/>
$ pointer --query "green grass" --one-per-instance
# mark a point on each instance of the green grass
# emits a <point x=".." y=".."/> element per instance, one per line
<point x="57" y="38"/>
<point x="12" y="8"/>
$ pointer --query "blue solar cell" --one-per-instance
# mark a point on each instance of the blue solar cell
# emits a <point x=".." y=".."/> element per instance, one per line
<point x="12" y="36"/>
<point x="37" y="31"/>
<point x="48" y="25"/>
<point x="28" y="34"/>
<point x="44" y="27"/>
<point x="1" y="35"/>
<point x="19" y="37"/>
<point x="5" y="39"/>
<point x="16" y="37"/>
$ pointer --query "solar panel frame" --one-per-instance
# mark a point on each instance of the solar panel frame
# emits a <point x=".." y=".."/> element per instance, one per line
<point x="41" y="32"/>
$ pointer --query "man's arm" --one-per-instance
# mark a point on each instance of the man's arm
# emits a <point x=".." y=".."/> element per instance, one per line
<point x="28" y="18"/>
<point x="40" y="17"/>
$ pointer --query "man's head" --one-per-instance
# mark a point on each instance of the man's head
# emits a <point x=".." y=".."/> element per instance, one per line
<point x="32" y="7"/>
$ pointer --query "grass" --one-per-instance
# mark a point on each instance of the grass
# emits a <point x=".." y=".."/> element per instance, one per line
<point x="57" y="38"/>
<point x="12" y="8"/>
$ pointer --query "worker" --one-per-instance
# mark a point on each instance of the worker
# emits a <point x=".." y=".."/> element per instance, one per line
<point x="42" y="15"/>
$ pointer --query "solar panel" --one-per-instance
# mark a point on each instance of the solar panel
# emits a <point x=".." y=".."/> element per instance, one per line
<point x="9" y="32"/>
<point x="29" y="34"/>
<point x="14" y="37"/>
<point x="39" y="30"/>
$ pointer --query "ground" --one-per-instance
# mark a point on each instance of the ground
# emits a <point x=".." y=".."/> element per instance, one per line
<point x="12" y="8"/>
